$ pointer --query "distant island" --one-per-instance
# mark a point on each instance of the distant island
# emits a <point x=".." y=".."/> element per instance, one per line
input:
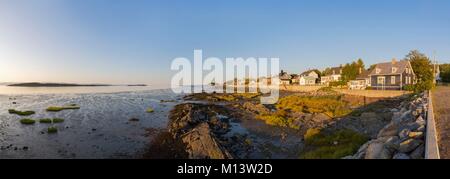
<point x="34" y="84"/>
<point x="37" y="84"/>
<point x="137" y="85"/>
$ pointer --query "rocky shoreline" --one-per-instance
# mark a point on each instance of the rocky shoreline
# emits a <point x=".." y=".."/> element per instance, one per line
<point x="217" y="126"/>
<point x="403" y="137"/>
<point x="201" y="131"/>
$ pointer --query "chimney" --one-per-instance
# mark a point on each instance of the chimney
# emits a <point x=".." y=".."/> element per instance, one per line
<point x="394" y="61"/>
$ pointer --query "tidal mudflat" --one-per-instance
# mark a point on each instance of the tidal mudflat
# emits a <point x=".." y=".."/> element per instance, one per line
<point x="106" y="125"/>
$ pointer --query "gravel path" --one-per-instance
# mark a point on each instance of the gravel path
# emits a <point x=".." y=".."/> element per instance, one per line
<point x="441" y="98"/>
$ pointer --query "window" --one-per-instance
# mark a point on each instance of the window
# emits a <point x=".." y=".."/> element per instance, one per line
<point x="377" y="71"/>
<point x="380" y="80"/>
<point x="394" y="70"/>
<point x="392" y="80"/>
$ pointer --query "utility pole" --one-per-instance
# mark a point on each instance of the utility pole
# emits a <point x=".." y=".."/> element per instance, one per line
<point x="434" y="67"/>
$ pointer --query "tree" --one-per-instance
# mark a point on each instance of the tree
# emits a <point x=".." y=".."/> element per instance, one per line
<point x="326" y="72"/>
<point x="352" y="70"/>
<point x="445" y="72"/>
<point x="360" y="63"/>
<point x="423" y="69"/>
<point x="372" y="67"/>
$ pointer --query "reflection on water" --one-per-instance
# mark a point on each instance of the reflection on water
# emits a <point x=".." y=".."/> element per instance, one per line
<point x="73" y="90"/>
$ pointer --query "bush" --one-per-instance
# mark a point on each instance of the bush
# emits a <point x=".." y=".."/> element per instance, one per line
<point x="408" y="87"/>
<point x="27" y="121"/>
<point x="321" y="145"/>
<point x="21" y="113"/>
<point x="445" y="72"/>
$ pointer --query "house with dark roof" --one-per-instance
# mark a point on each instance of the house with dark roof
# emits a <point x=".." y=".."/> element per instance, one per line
<point x="285" y="78"/>
<point x="295" y="79"/>
<point x="392" y="75"/>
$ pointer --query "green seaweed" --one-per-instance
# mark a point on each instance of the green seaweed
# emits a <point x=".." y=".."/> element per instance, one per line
<point x="21" y="113"/>
<point x="27" y="121"/>
<point x="60" y="108"/>
<point x="58" y="120"/>
<point x="150" y="110"/>
<point x="52" y="130"/>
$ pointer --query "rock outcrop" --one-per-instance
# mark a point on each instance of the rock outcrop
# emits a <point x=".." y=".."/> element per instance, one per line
<point x="201" y="144"/>
<point x="403" y="137"/>
<point x="203" y="128"/>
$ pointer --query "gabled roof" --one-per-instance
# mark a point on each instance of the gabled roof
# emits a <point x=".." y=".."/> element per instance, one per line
<point x="336" y="70"/>
<point x="295" y="76"/>
<point x="365" y="74"/>
<point x="306" y="73"/>
<point x="285" y="77"/>
<point x="386" y="68"/>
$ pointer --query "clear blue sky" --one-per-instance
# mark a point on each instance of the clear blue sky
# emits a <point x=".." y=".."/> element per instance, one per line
<point x="123" y="41"/>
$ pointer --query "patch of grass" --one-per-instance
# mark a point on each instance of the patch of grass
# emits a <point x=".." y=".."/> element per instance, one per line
<point x="58" y="120"/>
<point x="279" y="118"/>
<point x="311" y="133"/>
<point x="226" y="97"/>
<point x="21" y="113"/>
<point x="327" y="89"/>
<point x="27" y="121"/>
<point x="150" y="110"/>
<point x="60" y="108"/>
<point x="52" y="130"/>
<point x="332" y="106"/>
<point x="335" y="145"/>
<point x="45" y="120"/>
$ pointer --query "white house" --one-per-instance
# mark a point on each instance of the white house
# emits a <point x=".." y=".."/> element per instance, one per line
<point x="335" y="75"/>
<point x="307" y="80"/>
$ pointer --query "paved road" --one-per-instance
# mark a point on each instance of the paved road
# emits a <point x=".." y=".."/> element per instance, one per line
<point x="441" y="103"/>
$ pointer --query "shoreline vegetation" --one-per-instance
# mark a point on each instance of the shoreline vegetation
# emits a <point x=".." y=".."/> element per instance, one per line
<point x="36" y="84"/>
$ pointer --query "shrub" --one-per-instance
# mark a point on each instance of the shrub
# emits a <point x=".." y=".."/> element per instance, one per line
<point x="27" y="121"/>
<point x="408" y="87"/>
<point x="335" y="145"/>
<point x="21" y="113"/>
